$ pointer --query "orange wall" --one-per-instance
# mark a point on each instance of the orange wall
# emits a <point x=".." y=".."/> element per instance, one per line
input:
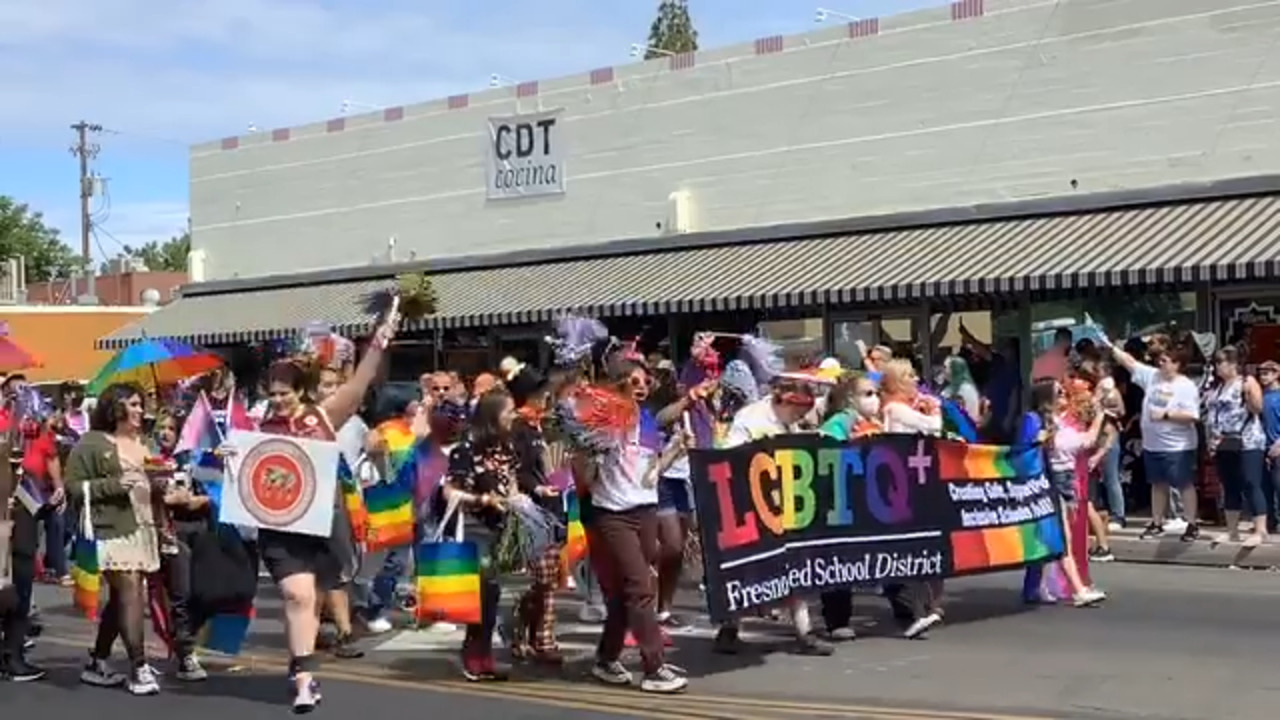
<point x="63" y="339"/>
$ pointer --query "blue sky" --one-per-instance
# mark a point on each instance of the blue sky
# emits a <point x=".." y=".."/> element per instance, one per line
<point x="162" y="74"/>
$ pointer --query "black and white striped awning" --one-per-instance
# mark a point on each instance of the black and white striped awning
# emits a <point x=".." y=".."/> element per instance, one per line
<point x="254" y="315"/>
<point x="1222" y="240"/>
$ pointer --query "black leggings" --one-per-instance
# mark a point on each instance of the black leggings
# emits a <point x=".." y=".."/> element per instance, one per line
<point x="123" y="617"/>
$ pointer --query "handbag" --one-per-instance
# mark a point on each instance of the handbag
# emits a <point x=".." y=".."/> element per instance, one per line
<point x="447" y="574"/>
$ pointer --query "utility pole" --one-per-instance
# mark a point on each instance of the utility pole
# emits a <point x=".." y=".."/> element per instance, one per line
<point x="85" y="150"/>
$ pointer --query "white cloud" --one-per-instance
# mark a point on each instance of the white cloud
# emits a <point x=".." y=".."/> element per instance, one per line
<point x="193" y="70"/>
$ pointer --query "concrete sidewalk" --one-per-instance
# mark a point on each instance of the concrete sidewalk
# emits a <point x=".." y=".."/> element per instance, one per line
<point x="1204" y="552"/>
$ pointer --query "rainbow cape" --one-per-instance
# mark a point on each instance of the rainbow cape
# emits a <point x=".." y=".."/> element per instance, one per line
<point x="389" y="503"/>
<point x="575" y="545"/>
<point x="86" y="577"/>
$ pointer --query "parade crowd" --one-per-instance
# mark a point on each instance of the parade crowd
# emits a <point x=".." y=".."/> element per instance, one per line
<point x="118" y="479"/>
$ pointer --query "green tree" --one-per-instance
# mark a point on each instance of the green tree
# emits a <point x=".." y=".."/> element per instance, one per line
<point x="672" y="31"/>
<point x="23" y="233"/>
<point x="167" y="256"/>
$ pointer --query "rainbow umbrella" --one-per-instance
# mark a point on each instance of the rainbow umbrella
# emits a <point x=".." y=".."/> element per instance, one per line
<point x="151" y="363"/>
<point x="13" y="357"/>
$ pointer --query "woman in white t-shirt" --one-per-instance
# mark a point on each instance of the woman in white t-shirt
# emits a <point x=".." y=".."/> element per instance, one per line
<point x="1169" y="415"/>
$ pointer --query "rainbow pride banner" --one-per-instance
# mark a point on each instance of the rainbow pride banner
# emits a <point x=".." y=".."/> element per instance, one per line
<point x="802" y="514"/>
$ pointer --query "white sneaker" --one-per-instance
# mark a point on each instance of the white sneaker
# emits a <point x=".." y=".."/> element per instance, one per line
<point x="443" y="627"/>
<point x="1176" y="525"/>
<point x="921" y="626"/>
<point x="96" y="673"/>
<point x="144" y="682"/>
<point x="592" y="613"/>
<point x="190" y="670"/>
<point x="1114" y="526"/>
<point x="1089" y="598"/>
<point x="570" y="584"/>
<point x="664" y="681"/>
<point x="378" y="625"/>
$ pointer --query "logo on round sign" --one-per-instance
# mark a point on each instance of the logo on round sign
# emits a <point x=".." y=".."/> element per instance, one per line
<point x="277" y="483"/>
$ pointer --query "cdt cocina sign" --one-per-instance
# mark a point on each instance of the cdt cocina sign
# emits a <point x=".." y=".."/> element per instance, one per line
<point x="525" y="156"/>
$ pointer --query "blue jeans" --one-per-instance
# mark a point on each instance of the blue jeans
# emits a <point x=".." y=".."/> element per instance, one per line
<point x="54" y="523"/>
<point x="1111" y="482"/>
<point x="375" y="595"/>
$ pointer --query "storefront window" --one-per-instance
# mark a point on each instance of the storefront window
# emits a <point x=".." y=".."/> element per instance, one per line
<point x="898" y="332"/>
<point x="801" y="340"/>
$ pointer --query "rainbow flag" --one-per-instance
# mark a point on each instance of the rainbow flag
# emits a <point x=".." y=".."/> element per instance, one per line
<point x="85" y="576"/>
<point x="390" y="502"/>
<point x="226" y="632"/>
<point x="353" y="498"/>
<point x="956" y="422"/>
<point x="448" y="582"/>
<point x="575" y="545"/>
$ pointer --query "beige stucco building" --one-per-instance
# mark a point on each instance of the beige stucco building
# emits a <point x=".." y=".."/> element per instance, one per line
<point x="982" y="154"/>
<point x="978" y="102"/>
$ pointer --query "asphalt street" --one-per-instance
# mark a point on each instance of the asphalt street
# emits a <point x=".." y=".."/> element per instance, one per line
<point x="1172" y="643"/>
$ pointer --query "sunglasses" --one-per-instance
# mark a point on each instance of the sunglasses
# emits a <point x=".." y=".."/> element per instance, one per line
<point x="640" y="382"/>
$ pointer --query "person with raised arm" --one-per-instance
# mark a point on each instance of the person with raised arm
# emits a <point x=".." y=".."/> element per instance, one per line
<point x="303" y="565"/>
<point x="1169" y="415"/>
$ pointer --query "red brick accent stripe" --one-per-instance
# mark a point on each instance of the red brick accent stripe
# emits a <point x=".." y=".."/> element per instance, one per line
<point x="866" y="27"/>
<point x="683" y="61"/>
<point x="280" y="135"/>
<point x="967" y="9"/>
<point x="527" y="89"/>
<point x="602" y="76"/>
<point x="393" y="114"/>
<point x="459" y="102"/>
<point x="230" y="143"/>
<point x="769" y="45"/>
<point x="336" y="125"/>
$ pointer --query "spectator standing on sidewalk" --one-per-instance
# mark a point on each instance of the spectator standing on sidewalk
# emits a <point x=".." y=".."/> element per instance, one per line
<point x="1169" y="415"/>
<point x="1237" y="444"/>
<point x="1269" y="377"/>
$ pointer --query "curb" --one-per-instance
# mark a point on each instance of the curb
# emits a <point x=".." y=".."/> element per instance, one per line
<point x="1201" y="553"/>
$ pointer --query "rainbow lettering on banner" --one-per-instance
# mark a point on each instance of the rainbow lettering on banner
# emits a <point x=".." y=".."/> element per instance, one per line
<point x="390" y="502"/>
<point x="86" y="577"/>
<point x="448" y="582"/>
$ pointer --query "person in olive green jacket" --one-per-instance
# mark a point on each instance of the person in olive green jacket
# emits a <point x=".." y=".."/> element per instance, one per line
<point x="105" y="477"/>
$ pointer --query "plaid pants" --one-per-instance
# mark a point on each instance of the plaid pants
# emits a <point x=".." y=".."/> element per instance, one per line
<point x="536" y="611"/>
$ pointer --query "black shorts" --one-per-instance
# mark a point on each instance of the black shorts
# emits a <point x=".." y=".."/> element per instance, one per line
<point x="333" y="560"/>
